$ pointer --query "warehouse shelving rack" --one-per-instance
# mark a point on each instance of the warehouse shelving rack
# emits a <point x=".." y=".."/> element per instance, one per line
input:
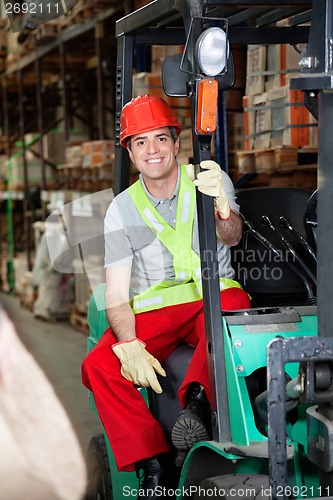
<point x="74" y="69"/>
<point x="249" y="22"/>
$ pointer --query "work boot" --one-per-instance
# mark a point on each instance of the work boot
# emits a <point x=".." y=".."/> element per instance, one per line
<point x="193" y="424"/>
<point x="160" y="477"/>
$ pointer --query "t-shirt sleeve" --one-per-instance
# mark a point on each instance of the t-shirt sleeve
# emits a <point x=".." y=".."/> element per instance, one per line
<point x="118" y="251"/>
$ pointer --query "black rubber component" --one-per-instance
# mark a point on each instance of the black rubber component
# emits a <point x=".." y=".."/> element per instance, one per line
<point x="99" y="478"/>
<point x="236" y="487"/>
<point x="193" y="424"/>
<point x="187" y="431"/>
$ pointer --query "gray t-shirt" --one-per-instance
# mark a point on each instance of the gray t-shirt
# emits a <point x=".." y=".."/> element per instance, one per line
<point x="129" y="242"/>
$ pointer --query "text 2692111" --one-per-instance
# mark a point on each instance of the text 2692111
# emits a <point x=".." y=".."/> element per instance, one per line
<point x="32" y="8"/>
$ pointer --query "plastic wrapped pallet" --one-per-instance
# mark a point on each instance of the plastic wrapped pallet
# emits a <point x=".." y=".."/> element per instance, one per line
<point x="256" y="66"/>
<point x="15" y="173"/>
<point x="54" y="289"/>
<point x="282" y="60"/>
<point x="291" y="122"/>
<point x="278" y="118"/>
<point x="257" y="122"/>
<point x="73" y="155"/>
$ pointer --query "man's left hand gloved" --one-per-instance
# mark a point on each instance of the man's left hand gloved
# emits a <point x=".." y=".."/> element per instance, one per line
<point x="210" y="182"/>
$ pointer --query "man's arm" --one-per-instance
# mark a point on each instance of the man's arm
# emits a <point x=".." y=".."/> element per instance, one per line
<point x="229" y="230"/>
<point x="118" y="311"/>
<point x="137" y="364"/>
<point x="213" y="182"/>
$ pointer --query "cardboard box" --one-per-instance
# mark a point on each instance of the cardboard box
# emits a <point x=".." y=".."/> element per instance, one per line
<point x="256" y="65"/>
<point x="291" y="122"/>
<point x="257" y="122"/>
<point x="160" y="52"/>
<point x="282" y="60"/>
<point x="102" y="158"/>
<point x="148" y="84"/>
<point x="102" y="146"/>
<point x="278" y="118"/>
<point x="97" y="153"/>
<point x="73" y="155"/>
<point x="15" y="173"/>
<point x="262" y="121"/>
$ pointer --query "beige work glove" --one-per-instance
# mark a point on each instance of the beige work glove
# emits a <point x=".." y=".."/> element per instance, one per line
<point x="137" y="365"/>
<point x="210" y="182"/>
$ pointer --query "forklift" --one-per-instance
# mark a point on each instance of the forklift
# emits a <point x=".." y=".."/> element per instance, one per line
<point x="270" y="368"/>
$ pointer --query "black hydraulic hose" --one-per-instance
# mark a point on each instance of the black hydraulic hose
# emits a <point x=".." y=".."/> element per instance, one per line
<point x="266" y="220"/>
<point x="311" y="298"/>
<point x="286" y="223"/>
<point x="291" y="401"/>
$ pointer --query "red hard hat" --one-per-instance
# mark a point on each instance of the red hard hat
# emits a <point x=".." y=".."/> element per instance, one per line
<point x="145" y="113"/>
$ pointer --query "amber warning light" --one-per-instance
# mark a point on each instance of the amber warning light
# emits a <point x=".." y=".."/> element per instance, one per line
<point x="207" y="92"/>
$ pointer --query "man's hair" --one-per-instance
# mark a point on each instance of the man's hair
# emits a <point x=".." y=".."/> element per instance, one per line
<point x="173" y="134"/>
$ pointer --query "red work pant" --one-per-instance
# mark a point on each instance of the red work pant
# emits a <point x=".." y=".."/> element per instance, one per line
<point x="133" y="432"/>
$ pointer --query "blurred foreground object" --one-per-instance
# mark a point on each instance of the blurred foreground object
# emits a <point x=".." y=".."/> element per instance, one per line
<point x="40" y="455"/>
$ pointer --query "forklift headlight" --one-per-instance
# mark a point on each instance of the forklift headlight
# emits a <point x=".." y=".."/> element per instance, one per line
<point x="212" y="51"/>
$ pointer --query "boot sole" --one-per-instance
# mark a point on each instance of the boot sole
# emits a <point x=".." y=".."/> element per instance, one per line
<point x="187" y="431"/>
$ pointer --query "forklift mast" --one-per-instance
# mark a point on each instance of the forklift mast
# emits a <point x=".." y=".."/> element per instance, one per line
<point x="180" y="22"/>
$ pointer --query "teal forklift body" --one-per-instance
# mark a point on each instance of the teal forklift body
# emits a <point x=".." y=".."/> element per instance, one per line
<point x="247" y="453"/>
<point x="245" y="345"/>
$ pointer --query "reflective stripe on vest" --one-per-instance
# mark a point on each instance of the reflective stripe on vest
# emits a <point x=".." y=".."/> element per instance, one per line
<point x="156" y="298"/>
<point x="186" y="287"/>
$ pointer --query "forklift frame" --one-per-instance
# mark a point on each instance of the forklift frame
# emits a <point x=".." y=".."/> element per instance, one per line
<point x="167" y="22"/>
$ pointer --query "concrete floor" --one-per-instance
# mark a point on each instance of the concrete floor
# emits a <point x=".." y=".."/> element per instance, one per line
<point x="59" y="350"/>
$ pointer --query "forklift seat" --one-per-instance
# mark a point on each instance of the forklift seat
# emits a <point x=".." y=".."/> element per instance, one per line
<point x="262" y="273"/>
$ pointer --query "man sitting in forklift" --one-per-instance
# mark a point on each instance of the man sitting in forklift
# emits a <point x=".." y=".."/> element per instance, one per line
<point x="153" y="293"/>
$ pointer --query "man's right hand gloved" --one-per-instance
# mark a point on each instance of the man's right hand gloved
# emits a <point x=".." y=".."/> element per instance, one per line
<point x="210" y="182"/>
<point x="137" y="365"/>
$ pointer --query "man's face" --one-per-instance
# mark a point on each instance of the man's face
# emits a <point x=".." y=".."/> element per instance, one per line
<point x="154" y="152"/>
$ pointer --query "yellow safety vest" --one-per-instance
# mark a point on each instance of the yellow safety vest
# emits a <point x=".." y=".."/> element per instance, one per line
<point x="187" y="286"/>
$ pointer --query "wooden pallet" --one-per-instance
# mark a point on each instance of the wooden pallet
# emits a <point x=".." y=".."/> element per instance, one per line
<point x="79" y="320"/>
<point x="277" y="159"/>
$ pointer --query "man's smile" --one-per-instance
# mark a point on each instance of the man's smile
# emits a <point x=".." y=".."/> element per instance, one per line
<point x="154" y="160"/>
